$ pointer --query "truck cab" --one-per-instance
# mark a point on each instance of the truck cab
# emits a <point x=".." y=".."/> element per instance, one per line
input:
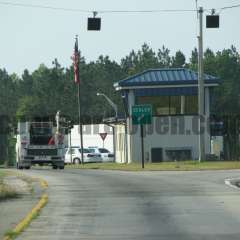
<point x="39" y="142"/>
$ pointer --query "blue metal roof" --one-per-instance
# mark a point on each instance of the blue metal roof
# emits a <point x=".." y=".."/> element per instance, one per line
<point x="165" y="76"/>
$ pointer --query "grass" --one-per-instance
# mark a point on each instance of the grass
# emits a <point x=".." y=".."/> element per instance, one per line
<point x="5" y="190"/>
<point x="163" y="166"/>
<point x="10" y="234"/>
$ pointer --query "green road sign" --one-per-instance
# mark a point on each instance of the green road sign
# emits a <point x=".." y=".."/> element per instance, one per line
<point x="141" y="114"/>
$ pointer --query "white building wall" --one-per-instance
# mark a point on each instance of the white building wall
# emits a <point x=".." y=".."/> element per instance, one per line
<point x="165" y="134"/>
<point x="91" y="136"/>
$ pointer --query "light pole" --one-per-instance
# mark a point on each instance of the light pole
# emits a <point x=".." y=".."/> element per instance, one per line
<point x="212" y="21"/>
<point x="114" y="106"/>
<point x="70" y="139"/>
<point x="201" y="94"/>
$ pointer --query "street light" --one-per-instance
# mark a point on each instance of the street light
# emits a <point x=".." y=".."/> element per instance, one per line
<point x="114" y="106"/>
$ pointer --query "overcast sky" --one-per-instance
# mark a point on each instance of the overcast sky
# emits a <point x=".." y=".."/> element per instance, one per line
<point x="31" y="36"/>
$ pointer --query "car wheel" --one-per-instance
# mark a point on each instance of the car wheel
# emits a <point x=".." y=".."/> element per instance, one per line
<point x="76" y="161"/>
<point x="61" y="167"/>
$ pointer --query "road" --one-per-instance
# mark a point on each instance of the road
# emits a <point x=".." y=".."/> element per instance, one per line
<point x="103" y="205"/>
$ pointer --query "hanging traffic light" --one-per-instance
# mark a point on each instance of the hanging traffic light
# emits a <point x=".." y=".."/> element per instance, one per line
<point x="94" y="24"/>
<point x="212" y="21"/>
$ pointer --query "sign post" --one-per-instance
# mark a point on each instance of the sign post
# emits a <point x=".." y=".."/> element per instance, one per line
<point x="142" y="115"/>
<point x="103" y="136"/>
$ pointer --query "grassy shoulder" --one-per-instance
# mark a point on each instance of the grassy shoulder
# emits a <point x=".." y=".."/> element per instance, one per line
<point x="6" y="191"/>
<point x="163" y="166"/>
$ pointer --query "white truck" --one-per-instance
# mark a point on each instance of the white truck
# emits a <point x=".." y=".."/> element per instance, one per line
<point x="40" y="142"/>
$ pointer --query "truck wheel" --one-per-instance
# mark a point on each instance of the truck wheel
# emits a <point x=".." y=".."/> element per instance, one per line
<point x="61" y="167"/>
<point x="76" y="161"/>
<point x="28" y="167"/>
<point x="54" y="167"/>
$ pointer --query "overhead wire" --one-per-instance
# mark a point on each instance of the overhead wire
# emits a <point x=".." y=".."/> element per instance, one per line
<point x="229" y="7"/>
<point x="44" y="7"/>
<point x="16" y="4"/>
<point x="91" y="11"/>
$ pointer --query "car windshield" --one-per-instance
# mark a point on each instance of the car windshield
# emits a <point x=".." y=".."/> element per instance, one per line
<point x="103" y="150"/>
<point x="84" y="150"/>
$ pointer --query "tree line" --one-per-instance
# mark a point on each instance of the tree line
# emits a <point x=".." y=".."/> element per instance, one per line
<point x="49" y="89"/>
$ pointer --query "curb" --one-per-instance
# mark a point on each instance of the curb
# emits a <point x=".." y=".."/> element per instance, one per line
<point x="23" y="224"/>
<point x="229" y="183"/>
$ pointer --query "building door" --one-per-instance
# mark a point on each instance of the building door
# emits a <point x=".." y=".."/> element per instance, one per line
<point x="157" y="155"/>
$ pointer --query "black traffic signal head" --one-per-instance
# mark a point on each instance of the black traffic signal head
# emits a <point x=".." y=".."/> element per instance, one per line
<point x="212" y="21"/>
<point x="94" y="24"/>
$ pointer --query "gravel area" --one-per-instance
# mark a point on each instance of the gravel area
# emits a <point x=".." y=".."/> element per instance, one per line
<point x="14" y="209"/>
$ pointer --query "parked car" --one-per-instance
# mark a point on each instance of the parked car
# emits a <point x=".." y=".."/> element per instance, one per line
<point x="106" y="155"/>
<point x="88" y="156"/>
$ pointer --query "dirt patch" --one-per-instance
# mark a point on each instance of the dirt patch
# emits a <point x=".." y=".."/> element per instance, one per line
<point x="13" y="186"/>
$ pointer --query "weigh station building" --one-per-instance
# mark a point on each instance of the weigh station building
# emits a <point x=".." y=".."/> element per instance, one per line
<point x="172" y="133"/>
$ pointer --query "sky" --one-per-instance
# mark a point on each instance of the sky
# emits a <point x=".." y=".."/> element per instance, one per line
<point x="31" y="36"/>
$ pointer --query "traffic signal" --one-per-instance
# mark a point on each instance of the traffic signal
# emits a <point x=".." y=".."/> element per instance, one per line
<point x="94" y="24"/>
<point x="212" y="21"/>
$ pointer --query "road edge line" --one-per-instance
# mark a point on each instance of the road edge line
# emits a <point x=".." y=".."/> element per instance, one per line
<point x="24" y="223"/>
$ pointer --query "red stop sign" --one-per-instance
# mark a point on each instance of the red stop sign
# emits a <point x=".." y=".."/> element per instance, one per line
<point x="103" y="135"/>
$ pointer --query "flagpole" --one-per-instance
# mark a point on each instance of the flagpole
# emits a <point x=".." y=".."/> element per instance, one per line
<point x="79" y="101"/>
<point x="80" y="122"/>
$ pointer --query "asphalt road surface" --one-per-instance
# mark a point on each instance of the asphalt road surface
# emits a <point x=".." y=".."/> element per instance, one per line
<point x="103" y="205"/>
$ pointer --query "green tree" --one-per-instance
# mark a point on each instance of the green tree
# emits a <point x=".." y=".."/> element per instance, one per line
<point x="178" y="60"/>
<point x="164" y="57"/>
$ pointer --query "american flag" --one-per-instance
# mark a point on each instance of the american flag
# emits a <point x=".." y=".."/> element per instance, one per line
<point x="75" y="59"/>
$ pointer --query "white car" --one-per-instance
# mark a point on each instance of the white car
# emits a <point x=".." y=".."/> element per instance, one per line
<point x="88" y="156"/>
<point x="106" y="155"/>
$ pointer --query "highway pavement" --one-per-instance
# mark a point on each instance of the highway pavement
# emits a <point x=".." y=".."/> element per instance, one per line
<point x="104" y="205"/>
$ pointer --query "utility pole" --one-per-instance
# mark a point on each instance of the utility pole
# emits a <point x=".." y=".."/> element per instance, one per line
<point x="201" y="89"/>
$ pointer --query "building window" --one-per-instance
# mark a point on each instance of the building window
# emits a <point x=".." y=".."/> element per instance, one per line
<point x="162" y="105"/>
<point x="191" y="104"/>
<point x="175" y="105"/>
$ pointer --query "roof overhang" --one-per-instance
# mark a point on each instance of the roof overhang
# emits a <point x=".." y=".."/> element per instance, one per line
<point x="119" y="88"/>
